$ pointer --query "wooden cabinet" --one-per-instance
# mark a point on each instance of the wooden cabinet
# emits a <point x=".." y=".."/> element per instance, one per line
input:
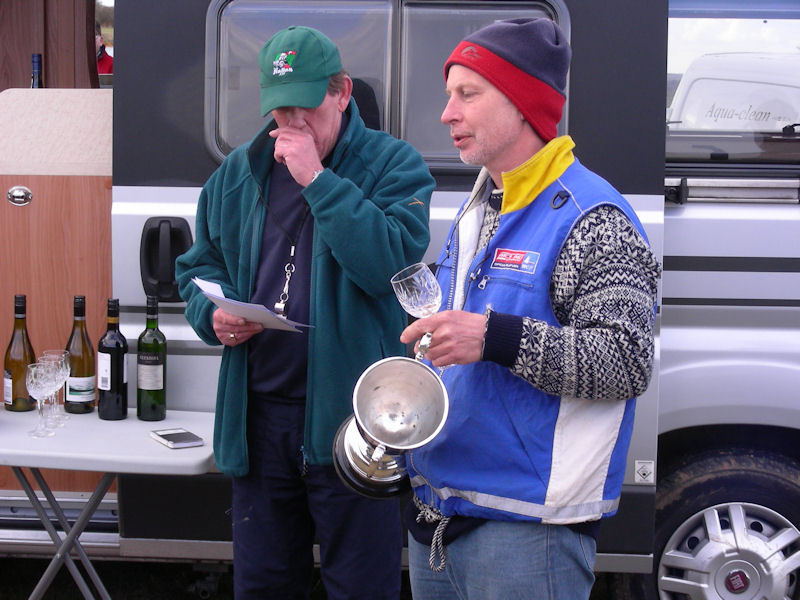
<point x="57" y="144"/>
<point x="62" y="31"/>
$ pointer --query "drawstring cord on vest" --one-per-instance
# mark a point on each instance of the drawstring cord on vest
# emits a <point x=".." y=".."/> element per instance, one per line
<point x="432" y="515"/>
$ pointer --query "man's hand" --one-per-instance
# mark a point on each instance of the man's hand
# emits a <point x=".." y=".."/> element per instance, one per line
<point x="232" y="330"/>
<point x="457" y="337"/>
<point x="297" y="151"/>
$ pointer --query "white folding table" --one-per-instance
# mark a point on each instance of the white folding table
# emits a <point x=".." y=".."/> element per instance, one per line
<point x="87" y="443"/>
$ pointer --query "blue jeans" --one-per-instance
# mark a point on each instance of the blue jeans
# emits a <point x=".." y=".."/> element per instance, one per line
<point x="282" y="505"/>
<point x="507" y="560"/>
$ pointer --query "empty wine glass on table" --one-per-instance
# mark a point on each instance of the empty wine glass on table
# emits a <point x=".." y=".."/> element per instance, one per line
<point x="41" y="380"/>
<point x="419" y="294"/>
<point x="60" y="358"/>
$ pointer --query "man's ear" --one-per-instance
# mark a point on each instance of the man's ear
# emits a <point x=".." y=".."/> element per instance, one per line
<point x="346" y="92"/>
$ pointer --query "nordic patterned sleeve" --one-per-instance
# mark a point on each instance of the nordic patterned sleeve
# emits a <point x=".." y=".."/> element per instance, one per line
<point x="603" y="291"/>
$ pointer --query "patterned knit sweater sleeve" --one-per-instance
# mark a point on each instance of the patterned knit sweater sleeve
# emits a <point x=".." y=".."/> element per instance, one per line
<point x="603" y="290"/>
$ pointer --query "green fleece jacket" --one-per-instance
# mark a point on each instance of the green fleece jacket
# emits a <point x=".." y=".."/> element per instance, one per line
<point x="371" y="208"/>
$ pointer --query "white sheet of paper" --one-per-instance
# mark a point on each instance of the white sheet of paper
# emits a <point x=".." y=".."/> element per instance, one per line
<point x="257" y="313"/>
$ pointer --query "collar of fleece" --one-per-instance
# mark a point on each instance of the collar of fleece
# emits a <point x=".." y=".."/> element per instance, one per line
<point x="522" y="185"/>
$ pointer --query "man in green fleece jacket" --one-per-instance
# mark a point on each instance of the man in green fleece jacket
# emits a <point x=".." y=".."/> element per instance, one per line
<point x="311" y="218"/>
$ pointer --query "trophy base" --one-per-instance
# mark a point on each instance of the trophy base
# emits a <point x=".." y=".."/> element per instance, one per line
<point x="395" y="484"/>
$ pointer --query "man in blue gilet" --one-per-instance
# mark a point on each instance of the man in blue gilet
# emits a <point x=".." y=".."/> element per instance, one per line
<point x="546" y="333"/>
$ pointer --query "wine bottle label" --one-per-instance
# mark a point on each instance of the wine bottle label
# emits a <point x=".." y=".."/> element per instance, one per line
<point x="8" y="395"/>
<point x="150" y="371"/>
<point x="80" y="389"/>
<point x="103" y="371"/>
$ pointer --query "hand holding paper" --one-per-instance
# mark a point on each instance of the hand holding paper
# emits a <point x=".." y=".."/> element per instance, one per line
<point x="252" y="312"/>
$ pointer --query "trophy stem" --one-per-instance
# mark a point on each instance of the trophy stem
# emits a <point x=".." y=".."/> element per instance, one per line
<point x="375" y="460"/>
<point x="424" y="344"/>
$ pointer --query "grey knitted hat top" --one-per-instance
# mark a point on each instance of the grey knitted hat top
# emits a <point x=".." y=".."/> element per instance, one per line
<point x="527" y="60"/>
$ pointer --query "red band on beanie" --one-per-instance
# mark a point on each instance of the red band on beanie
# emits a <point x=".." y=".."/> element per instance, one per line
<point x="540" y="104"/>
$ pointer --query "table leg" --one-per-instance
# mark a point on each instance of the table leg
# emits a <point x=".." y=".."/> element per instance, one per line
<point x="62" y="519"/>
<point x="64" y="546"/>
<point x="45" y="520"/>
<point x="77" y="529"/>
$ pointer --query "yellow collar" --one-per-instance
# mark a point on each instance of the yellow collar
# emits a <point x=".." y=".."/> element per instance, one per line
<point x="526" y="182"/>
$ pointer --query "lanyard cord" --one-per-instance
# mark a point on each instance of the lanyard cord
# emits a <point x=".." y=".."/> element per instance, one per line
<point x="289" y="268"/>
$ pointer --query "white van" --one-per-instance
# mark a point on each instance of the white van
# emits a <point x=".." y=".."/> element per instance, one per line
<point x="738" y="91"/>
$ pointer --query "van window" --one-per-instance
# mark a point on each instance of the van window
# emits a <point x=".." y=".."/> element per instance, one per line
<point x="393" y="49"/>
<point x="430" y="32"/>
<point x="237" y="30"/>
<point x="733" y="82"/>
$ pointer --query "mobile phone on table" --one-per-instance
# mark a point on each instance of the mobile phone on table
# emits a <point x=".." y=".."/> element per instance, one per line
<point x="177" y="437"/>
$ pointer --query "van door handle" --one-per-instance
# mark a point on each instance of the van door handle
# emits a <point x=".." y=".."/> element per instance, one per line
<point x="163" y="240"/>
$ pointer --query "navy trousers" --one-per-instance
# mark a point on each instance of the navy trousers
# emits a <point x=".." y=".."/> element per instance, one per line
<point x="283" y="505"/>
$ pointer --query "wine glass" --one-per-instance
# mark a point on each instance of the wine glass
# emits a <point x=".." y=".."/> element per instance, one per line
<point x="419" y="294"/>
<point x="61" y="360"/>
<point x="41" y="380"/>
<point x="417" y="290"/>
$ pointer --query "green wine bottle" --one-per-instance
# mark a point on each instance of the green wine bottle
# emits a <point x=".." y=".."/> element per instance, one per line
<point x="151" y="368"/>
<point x="19" y="355"/>
<point x="80" y="396"/>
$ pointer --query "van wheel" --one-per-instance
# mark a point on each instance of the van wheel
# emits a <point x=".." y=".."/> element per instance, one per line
<point x="726" y="529"/>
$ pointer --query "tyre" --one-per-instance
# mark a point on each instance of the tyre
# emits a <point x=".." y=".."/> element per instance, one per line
<point x="726" y="529"/>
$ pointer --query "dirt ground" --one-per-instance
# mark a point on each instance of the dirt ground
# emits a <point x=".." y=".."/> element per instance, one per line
<point x="153" y="581"/>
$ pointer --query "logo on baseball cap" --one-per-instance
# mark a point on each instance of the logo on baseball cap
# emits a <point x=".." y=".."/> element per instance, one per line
<point x="296" y="64"/>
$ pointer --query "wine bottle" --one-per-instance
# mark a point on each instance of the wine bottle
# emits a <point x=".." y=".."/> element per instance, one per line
<point x="151" y="368"/>
<point x="81" y="383"/>
<point x="37" y="81"/>
<point x="112" y="371"/>
<point x="19" y="355"/>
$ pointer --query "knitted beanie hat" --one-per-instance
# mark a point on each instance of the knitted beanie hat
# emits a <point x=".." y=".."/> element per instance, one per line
<point x="527" y="60"/>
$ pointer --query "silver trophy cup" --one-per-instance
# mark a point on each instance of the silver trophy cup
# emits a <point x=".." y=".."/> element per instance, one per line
<point x="398" y="404"/>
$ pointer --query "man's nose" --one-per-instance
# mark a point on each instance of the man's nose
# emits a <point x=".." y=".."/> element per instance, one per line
<point x="295" y="116"/>
<point x="450" y="112"/>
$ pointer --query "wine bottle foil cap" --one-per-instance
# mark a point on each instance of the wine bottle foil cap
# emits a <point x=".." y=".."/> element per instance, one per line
<point x="113" y="307"/>
<point x="152" y="305"/>
<point x="79" y="306"/>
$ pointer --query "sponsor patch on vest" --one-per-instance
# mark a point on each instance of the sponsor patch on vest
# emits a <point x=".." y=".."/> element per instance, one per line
<point x="523" y="261"/>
